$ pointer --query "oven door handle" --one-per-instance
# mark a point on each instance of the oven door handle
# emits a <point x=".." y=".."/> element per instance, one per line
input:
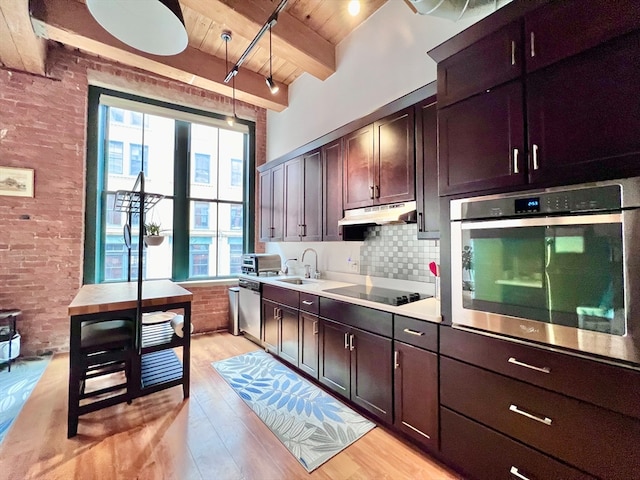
<point x="542" y="221"/>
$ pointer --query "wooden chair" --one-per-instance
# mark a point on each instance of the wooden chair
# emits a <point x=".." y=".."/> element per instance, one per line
<point x="106" y="347"/>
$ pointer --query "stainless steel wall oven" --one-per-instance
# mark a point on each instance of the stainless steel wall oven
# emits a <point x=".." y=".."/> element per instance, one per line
<point x="560" y="266"/>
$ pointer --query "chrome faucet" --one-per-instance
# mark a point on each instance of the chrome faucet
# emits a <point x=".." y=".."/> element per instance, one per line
<point x="285" y="269"/>
<point x="307" y="273"/>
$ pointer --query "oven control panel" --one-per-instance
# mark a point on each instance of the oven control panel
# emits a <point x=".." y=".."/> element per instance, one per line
<point x="578" y="200"/>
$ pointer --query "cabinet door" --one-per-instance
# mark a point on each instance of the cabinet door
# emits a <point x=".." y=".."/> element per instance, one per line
<point x="293" y="193"/>
<point x="335" y="357"/>
<point x="358" y="168"/>
<point x="371" y="375"/>
<point x="416" y="393"/>
<point x="277" y="187"/>
<point x="583" y="115"/>
<point x="491" y="61"/>
<point x="308" y="351"/>
<point x="271" y="326"/>
<point x="266" y="206"/>
<point x="333" y="188"/>
<point x="481" y="142"/>
<point x="428" y="202"/>
<point x="395" y="160"/>
<point x="288" y="347"/>
<point x="312" y="198"/>
<point x="562" y="29"/>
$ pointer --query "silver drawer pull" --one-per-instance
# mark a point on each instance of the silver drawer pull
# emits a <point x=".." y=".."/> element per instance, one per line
<point x="413" y="332"/>
<point x="307" y="302"/>
<point x="515" y="409"/>
<point x="396" y="358"/>
<point x="526" y="365"/>
<point x="514" y="471"/>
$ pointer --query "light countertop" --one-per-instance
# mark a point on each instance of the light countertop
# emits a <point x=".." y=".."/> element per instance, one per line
<point x="427" y="309"/>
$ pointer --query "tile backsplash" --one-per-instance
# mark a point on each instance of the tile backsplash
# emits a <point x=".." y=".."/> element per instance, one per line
<point x="393" y="251"/>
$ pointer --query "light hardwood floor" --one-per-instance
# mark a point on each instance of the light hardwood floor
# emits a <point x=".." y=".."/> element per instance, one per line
<point x="212" y="435"/>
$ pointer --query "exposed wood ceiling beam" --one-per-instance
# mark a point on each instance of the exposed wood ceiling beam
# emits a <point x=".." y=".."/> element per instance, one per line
<point x="72" y="24"/>
<point x="21" y="48"/>
<point x="292" y="39"/>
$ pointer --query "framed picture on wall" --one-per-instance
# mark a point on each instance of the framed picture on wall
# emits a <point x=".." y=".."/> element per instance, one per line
<point x="16" y="182"/>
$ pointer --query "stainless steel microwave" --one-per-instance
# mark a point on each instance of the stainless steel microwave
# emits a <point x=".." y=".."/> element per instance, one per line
<point x="559" y="266"/>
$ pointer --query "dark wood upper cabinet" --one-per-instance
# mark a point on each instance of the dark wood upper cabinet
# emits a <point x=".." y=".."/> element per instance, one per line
<point x="272" y="204"/>
<point x="379" y="162"/>
<point x="394" y="158"/>
<point x="312" y="198"/>
<point x="332" y="189"/>
<point x="428" y="203"/>
<point x="481" y="142"/>
<point x="293" y="194"/>
<point x="583" y="115"/>
<point x="494" y="60"/>
<point x="577" y="89"/>
<point x="303" y="198"/>
<point x="562" y="29"/>
<point x="358" y="168"/>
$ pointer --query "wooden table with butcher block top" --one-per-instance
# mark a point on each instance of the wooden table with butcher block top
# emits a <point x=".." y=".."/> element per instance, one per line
<point x="156" y="366"/>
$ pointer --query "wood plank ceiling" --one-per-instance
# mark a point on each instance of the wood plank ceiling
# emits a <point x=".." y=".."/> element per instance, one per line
<point x="304" y="40"/>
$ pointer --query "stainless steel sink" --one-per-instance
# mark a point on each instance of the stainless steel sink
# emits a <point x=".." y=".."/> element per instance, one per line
<point x="297" y="281"/>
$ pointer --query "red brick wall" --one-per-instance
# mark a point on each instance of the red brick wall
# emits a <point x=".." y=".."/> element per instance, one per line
<point x="43" y="126"/>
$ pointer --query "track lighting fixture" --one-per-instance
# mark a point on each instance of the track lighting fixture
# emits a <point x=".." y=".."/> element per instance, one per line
<point x="270" y="83"/>
<point x="226" y="37"/>
<point x="354" y="7"/>
<point x="152" y="26"/>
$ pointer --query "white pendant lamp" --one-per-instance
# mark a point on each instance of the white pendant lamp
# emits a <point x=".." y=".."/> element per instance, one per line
<point x="152" y="26"/>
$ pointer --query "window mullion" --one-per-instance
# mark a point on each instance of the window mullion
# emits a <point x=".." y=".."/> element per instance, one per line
<point x="181" y="214"/>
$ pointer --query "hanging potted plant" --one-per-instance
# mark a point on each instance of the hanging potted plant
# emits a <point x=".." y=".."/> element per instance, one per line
<point x="152" y="235"/>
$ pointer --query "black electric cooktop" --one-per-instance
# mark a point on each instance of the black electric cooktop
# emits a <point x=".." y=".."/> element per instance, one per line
<point x="387" y="296"/>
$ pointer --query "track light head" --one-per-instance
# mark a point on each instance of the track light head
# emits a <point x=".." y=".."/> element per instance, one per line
<point x="231" y="120"/>
<point x="273" y="86"/>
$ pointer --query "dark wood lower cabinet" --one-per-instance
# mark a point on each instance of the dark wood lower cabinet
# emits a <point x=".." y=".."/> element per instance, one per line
<point x="335" y="357"/>
<point x="484" y="454"/>
<point x="416" y="394"/>
<point x="371" y="373"/>
<point x="308" y="344"/>
<point x="288" y="347"/>
<point x="270" y="326"/>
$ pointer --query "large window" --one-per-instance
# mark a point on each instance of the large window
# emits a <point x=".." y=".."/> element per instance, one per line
<point x="205" y="203"/>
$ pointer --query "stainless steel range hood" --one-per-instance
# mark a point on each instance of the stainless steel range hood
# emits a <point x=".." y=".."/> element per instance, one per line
<point x="395" y="213"/>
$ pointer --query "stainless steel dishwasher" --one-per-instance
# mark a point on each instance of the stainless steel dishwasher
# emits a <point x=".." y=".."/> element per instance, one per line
<point x="249" y="309"/>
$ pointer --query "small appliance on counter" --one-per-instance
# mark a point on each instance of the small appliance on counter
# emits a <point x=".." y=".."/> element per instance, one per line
<point x="260" y="263"/>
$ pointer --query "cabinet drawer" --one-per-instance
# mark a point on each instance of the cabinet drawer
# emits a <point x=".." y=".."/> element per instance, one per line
<point x="281" y="295"/>
<point x="365" y="318"/>
<point x="599" y="441"/>
<point x="416" y="332"/>
<point x="611" y="387"/>
<point x="309" y="303"/>
<point x="485" y="454"/>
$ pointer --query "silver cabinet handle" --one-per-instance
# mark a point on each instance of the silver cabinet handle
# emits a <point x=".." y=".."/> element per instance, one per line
<point x="315" y="327"/>
<point x="533" y="44"/>
<point x="371" y="195"/>
<point x="275" y="312"/>
<point x="351" y="347"/>
<point x="513" y="52"/>
<point x="420" y="222"/>
<point x="526" y="365"/>
<point x="515" y="161"/>
<point x="306" y="302"/>
<point x="396" y="358"/>
<point x="346" y="341"/>
<point x="413" y="332"/>
<point x="536" y="165"/>
<point x="514" y="471"/>
<point x="377" y="189"/>
<point x="515" y="409"/>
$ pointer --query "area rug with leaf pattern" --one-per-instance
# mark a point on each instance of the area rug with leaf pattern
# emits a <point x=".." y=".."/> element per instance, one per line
<point x="16" y="386"/>
<point x="312" y="424"/>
